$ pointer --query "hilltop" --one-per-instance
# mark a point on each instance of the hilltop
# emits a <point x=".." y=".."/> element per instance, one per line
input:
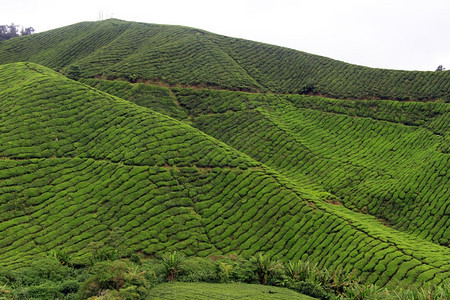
<point x="177" y="55"/>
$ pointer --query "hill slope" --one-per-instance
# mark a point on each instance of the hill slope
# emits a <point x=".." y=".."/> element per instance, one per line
<point x="384" y="158"/>
<point x="78" y="163"/>
<point x="180" y="55"/>
<point x="397" y="172"/>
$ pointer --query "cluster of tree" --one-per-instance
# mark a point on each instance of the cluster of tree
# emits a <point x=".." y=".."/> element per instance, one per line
<point x="9" y="31"/>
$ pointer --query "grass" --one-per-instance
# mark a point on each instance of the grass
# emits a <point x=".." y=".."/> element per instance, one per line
<point x="179" y="290"/>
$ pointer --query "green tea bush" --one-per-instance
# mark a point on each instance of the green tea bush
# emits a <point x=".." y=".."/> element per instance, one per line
<point x="314" y="177"/>
<point x="174" y="55"/>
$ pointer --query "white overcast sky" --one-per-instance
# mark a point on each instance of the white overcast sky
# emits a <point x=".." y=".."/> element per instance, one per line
<point x="393" y="34"/>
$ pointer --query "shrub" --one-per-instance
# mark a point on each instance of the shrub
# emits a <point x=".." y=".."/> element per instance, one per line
<point x="47" y="290"/>
<point x="198" y="269"/>
<point x="335" y="280"/>
<point x="62" y="256"/>
<point x="310" y="289"/>
<point x="115" y="278"/>
<point x="135" y="259"/>
<point x="242" y="271"/>
<point x="304" y="271"/>
<point x="43" y="269"/>
<point x="223" y="271"/>
<point x="73" y="72"/>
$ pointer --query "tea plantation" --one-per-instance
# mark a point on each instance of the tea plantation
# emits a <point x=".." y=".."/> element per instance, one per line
<point x="176" y="139"/>
<point x="78" y="163"/>
<point x="392" y="169"/>
<point x="379" y="157"/>
<point x="177" y="55"/>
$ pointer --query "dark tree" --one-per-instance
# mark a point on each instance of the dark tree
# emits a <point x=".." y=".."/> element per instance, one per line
<point x="10" y="31"/>
<point x="27" y="31"/>
<point x="440" y="68"/>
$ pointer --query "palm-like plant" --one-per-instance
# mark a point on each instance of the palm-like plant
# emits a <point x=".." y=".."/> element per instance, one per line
<point x="427" y="292"/>
<point x="302" y="271"/>
<point x="359" y="291"/>
<point x="264" y="266"/>
<point x="333" y="279"/>
<point x="62" y="256"/>
<point x="292" y="269"/>
<point x="171" y="263"/>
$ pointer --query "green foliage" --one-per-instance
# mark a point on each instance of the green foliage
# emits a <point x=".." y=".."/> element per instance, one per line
<point x="135" y="259"/>
<point x="172" y="264"/>
<point x="316" y="280"/>
<point x="115" y="279"/>
<point x="122" y="279"/>
<point x="156" y="98"/>
<point x="101" y="252"/>
<point x="175" y="55"/>
<point x="260" y="173"/>
<point x="111" y="248"/>
<point x="47" y="290"/>
<point x="264" y="267"/>
<point x="359" y="292"/>
<point x="345" y="148"/>
<point x="11" y="31"/>
<point x="44" y="278"/>
<point x="62" y="256"/>
<point x="303" y="271"/>
<point x="439" y="292"/>
<point x="224" y="271"/>
<point x="195" y="269"/>
<point x="204" y="172"/>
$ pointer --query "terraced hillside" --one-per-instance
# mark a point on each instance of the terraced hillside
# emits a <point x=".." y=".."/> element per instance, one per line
<point x="76" y="163"/>
<point x="180" y="55"/>
<point x="393" y="169"/>
<point x="385" y="158"/>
